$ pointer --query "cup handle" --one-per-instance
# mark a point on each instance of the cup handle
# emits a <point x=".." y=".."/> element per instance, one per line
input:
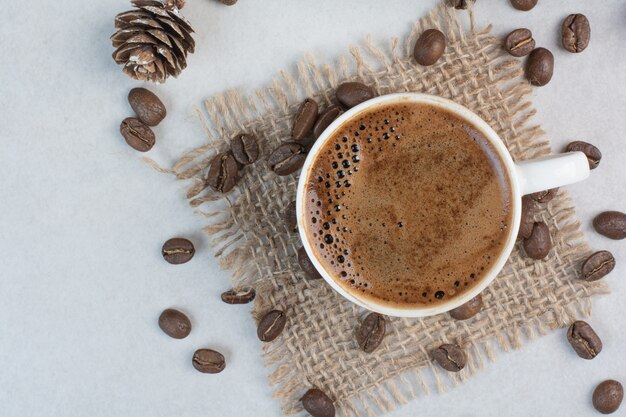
<point x="551" y="171"/>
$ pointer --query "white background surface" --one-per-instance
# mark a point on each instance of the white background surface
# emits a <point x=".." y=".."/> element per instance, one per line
<point x="82" y="220"/>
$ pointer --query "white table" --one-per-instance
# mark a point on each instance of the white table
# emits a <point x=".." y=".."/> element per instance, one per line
<point x="82" y="219"/>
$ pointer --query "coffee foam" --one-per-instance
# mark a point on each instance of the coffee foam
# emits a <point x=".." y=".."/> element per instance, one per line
<point x="407" y="204"/>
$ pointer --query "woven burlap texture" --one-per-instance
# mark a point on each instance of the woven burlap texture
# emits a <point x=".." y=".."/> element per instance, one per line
<point x="247" y="231"/>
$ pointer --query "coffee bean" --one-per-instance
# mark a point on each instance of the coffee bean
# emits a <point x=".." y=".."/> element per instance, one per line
<point x="544" y="196"/>
<point x="318" y="404"/>
<point x="174" y="323"/>
<point x="584" y="340"/>
<point x="526" y="221"/>
<point x="271" y="325"/>
<point x="208" y="361"/>
<point x="137" y="134"/>
<point x="245" y="148"/>
<point x="228" y="2"/>
<point x="429" y="47"/>
<point x="576" y="33"/>
<point x="326" y="119"/>
<point x="287" y="158"/>
<point x="538" y="244"/>
<point x="608" y="396"/>
<point x="524" y="5"/>
<point x="611" y="224"/>
<point x="450" y="357"/>
<point x="540" y="67"/>
<point x="305" y="119"/>
<point x="306" y="265"/>
<point x="223" y="172"/>
<point x="352" y="94"/>
<point x="371" y="333"/>
<point x="598" y="265"/>
<point x="592" y="153"/>
<point x="148" y="107"/>
<point x="520" y="42"/>
<point x="241" y="296"/>
<point x="291" y="217"/>
<point x="469" y="309"/>
<point x="178" y="251"/>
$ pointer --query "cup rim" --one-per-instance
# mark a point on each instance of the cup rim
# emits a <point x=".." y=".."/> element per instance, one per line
<point x="460" y="111"/>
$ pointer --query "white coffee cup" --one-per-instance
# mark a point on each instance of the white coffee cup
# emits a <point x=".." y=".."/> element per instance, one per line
<point x="526" y="177"/>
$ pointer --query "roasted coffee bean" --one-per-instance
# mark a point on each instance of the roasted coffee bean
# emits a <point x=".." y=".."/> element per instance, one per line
<point x="148" y="107"/>
<point x="611" y="224"/>
<point x="450" y="357"/>
<point x="241" y="296"/>
<point x="228" y="2"/>
<point x="520" y="42"/>
<point x="326" y="119"/>
<point x="592" y="153"/>
<point x="306" y="265"/>
<point x="544" y="196"/>
<point x="174" y="323"/>
<point x="608" y="396"/>
<point x="137" y="134"/>
<point x="576" y="33"/>
<point x="271" y="325"/>
<point x="223" y="172"/>
<point x="318" y="404"/>
<point x="208" y="361"/>
<point x="540" y="67"/>
<point x="526" y="222"/>
<point x="245" y="148"/>
<point x="469" y="309"/>
<point x="287" y="158"/>
<point x="524" y="5"/>
<point x="178" y="251"/>
<point x="538" y="244"/>
<point x="353" y="93"/>
<point x="429" y="47"/>
<point x="584" y="340"/>
<point x="597" y="266"/>
<point x="371" y="333"/>
<point x="291" y="217"/>
<point x="305" y="119"/>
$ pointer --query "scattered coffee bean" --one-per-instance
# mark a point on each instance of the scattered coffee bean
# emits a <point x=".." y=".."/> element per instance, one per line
<point x="576" y="33"/>
<point x="544" y="196"/>
<point x="241" y="296"/>
<point x="148" y="107"/>
<point x="540" y="67"/>
<point x="208" y="361"/>
<point x="245" y="148"/>
<point x="608" y="396"/>
<point x="306" y="265"/>
<point x="520" y="42"/>
<point x="223" y="172"/>
<point x="291" y="217"/>
<point x="611" y="224"/>
<point x="371" y="333"/>
<point x="271" y="325"/>
<point x="592" y="153"/>
<point x="597" y="266"/>
<point x="326" y="119"/>
<point x="318" y="404"/>
<point x="174" y="324"/>
<point x="178" y="251"/>
<point x="429" y="47"/>
<point x="526" y="222"/>
<point x="524" y="5"/>
<point x="228" y="2"/>
<point x="450" y="357"/>
<point x="287" y="158"/>
<point x="584" y="340"/>
<point x="538" y="244"/>
<point x="353" y="93"/>
<point x="305" y="119"/>
<point x="137" y="134"/>
<point x="469" y="309"/>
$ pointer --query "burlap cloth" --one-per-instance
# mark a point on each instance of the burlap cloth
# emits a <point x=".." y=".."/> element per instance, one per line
<point x="247" y="231"/>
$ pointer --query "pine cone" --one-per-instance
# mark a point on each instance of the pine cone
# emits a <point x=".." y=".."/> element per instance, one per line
<point x="153" y="40"/>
